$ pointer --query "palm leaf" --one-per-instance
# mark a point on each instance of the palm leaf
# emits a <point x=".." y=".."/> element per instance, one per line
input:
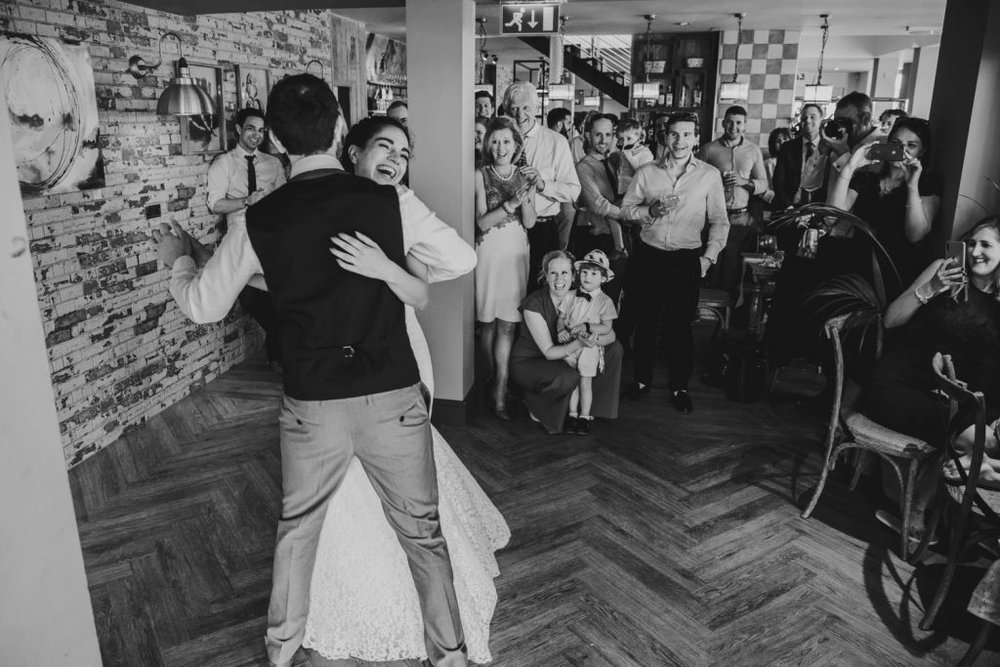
<point x="854" y="296"/>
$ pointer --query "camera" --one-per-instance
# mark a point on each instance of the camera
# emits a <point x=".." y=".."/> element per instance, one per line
<point x="832" y="128"/>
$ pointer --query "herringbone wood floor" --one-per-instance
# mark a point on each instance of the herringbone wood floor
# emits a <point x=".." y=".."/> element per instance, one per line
<point x="660" y="539"/>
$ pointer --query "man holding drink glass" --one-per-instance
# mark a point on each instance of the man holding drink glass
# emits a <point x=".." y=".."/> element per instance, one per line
<point x="673" y="198"/>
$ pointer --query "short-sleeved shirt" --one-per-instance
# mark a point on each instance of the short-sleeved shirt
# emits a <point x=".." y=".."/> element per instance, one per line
<point x="886" y="213"/>
<point x="539" y="302"/>
<point x="578" y="310"/>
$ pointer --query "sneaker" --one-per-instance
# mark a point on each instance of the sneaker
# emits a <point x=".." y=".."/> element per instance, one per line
<point x="682" y="401"/>
<point x="635" y="391"/>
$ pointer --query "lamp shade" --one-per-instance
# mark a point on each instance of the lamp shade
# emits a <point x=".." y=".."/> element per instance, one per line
<point x="645" y="91"/>
<point x="183" y="96"/>
<point x="730" y="92"/>
<point x="561" y="91"/>
<point x="817" y="92"/>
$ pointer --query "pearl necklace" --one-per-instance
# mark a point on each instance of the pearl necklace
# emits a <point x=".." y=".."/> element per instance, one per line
<point x="502" y="178"/>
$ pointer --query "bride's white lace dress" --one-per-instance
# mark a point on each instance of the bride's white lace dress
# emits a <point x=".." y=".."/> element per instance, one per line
<point x="363" y="603"/>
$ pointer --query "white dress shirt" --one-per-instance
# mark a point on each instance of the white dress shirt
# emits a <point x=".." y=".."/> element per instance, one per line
<point x="227" y="178"/>
<point x="209" y="294"/>
<point x="548" y="152"/>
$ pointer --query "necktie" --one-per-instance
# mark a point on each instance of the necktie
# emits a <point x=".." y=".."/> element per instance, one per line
<point x="810" y="149"/>
<point x="584" y="295"/>
<point x="251" y="175"/>
<point x="612" y="175"/>
<point x="522" y="159"/>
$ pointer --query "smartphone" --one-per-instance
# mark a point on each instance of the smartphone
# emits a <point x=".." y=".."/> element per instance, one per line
<point x="955" y="251"/>
<point x="886" y="152"/>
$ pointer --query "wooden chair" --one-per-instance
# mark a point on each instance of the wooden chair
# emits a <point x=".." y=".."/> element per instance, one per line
<point x="973" y="511"/>
<point x="849" y="429"/>
<point x="714" y="304"/>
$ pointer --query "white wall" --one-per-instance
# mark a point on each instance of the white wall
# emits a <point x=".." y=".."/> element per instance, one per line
<point x="45" y="613"/>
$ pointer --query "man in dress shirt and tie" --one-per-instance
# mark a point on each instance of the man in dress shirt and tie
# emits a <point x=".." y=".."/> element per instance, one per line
<point x="742" y="167"/>
<point x="800" y="172"/>
<point x="674" y="198"/>
<point x="236" y="180"/>
<point x="547" y="164"/>
<point x="600" y="221"/>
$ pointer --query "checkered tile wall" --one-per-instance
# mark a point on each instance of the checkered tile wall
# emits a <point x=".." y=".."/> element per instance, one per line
<point x="767" y="60"/>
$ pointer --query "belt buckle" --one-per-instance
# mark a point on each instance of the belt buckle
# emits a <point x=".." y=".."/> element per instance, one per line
<point x="348" y="351"/>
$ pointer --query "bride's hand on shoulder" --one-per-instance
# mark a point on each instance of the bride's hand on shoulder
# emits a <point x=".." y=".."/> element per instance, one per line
<point x="359" y="254"/>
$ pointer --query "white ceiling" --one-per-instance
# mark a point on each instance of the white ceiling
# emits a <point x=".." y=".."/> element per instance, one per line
<point x="859" y="29"/>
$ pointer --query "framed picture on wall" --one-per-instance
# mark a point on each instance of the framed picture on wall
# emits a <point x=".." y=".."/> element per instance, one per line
<point x="206" y="133"/>
<point x="253" y="84"/>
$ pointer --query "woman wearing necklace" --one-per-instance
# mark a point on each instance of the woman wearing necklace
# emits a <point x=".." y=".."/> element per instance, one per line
<point x="505" y="210"/>
<point x="899" y="199"/>
<point x="947" y="309"/>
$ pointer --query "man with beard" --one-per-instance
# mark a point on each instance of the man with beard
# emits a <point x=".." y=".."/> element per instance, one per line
<point x="674" y="198"/>
<point x="547" y="165"/>
<point x="236" y="180"/>
<point x="600" y="221"/>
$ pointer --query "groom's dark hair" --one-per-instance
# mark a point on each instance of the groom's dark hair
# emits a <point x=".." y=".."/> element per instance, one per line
<point x="302" y="113"/>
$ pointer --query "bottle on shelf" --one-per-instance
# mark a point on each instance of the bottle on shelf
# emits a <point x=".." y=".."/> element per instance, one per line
<point x="661" y="99"/>
<point x="668" y="97"/>
<point x="685" y="95"/>
<point x="696" y="96"/>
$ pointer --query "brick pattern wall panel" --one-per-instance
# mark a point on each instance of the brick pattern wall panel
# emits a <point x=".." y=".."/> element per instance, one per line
<point x="120" y="350"/>
<point x="768" y="61"/>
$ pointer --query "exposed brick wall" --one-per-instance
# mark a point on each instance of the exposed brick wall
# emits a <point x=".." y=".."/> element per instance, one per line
<point x="120" y="350"/>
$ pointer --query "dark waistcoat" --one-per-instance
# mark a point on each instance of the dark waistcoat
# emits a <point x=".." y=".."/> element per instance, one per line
<point x="343" y="335"/>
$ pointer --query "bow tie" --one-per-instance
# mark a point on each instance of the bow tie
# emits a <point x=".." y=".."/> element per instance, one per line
<point x="584" y="295"/>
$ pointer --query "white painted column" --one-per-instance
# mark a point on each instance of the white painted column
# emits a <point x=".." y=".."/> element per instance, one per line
<point x="45" y="613"/>
<point x="441" y="55"/>
<point x="886" y="72"/>
<point x="925" y="62"/>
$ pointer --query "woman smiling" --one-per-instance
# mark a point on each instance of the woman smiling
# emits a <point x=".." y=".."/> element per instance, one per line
<point x="536" y="360"/>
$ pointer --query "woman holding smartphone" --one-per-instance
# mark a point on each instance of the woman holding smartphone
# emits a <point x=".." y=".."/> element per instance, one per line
<point x="898" y="199"/>
<point x="952" y="308"/>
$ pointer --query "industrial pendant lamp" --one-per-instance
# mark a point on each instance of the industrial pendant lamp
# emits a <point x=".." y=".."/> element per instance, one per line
<point x="818" y="92"/>
<point x="732" y="91"/>
<point x="183" y="96"/>
<point x="646" y="90"/>
<point x="561" y="91"/>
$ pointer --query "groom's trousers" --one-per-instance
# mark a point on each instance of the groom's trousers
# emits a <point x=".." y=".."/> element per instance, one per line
<point x="390" y="434"/>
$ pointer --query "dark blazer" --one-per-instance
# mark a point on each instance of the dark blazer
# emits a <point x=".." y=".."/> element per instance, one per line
<point x="788" y="175"/>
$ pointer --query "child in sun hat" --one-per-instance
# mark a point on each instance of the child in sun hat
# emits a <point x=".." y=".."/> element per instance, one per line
<point x="586" y="312"/>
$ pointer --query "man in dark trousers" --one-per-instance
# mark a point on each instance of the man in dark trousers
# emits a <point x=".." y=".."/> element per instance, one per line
<point x="350" y="378"/>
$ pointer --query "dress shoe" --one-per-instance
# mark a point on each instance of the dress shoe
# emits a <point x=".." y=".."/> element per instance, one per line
<point x="634" y="392"/>
<point x="583" y="426"/>
<point x="682" y="401"/>
<point x="571" y="425"/>
<point x="501" y="412"/>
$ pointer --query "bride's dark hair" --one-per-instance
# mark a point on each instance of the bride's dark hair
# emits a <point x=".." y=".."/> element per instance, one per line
<point x="362" y="133"/>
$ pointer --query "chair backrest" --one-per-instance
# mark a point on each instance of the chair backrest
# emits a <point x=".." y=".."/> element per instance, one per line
<point x="964" y="399"/>
<point x="846" y="392"/>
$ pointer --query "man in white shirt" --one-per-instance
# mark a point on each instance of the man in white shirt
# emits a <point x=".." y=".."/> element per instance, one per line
<point x="743" y="174"/>
<point x="674" y="198"/>
<point x="236" y="180"/>
<point x="547" y="164"/>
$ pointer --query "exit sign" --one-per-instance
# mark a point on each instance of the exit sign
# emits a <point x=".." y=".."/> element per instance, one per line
<point x="529" y="19"/>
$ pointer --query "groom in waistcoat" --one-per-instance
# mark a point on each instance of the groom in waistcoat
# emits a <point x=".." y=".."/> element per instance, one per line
<point x="351" y="383"/>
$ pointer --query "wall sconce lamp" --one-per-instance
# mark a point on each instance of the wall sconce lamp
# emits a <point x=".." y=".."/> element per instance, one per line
<point x="319" y="62"/>
<point x="818" y="92"/>
<point x="183" y="96"/>
<point x="734" y="90"/>
<point x="562" y="92"/>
